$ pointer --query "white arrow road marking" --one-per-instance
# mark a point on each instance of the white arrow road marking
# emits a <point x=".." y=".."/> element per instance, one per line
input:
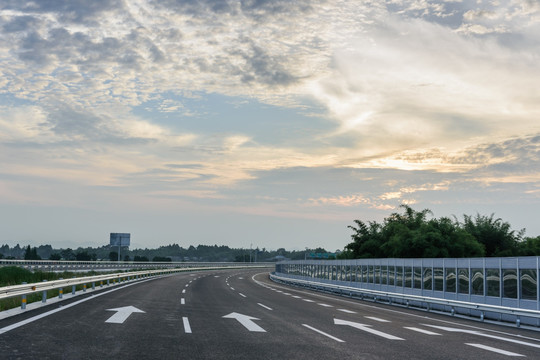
<point x="473" y="332"/>
<point x="366" y="328"/>
<point x="122" y="314"/>
<point x="245" y="320"/>
<point x="323" y="333"/>
<point x="499" y="351"/>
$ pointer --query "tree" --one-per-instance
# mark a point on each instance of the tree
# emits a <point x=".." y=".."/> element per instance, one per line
<point x="83" y="256"/>
<point x="495" y="235"/>
<point x="113" y="256"/>
<point x="67" y="254"/>
<point x="55" y="256"/>
<point x="411" y="235"/>
<point x="31" y="254"/>
<point x="530" y="247"/>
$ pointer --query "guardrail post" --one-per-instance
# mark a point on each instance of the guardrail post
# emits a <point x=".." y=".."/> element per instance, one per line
<point x="23" y="300"/>
<point x="101" y="284"/>
<point x="84" y="288"/>
<point x="61" y="291"/>
<point x="453" y="311"/>
<point x="44" y="295"/>
<point x="481" y="316"/>
<point x="108" y="283"/>
<point x="93" y="285"/>
<point x="518" y="321"/>
<point x="73" y="290"/>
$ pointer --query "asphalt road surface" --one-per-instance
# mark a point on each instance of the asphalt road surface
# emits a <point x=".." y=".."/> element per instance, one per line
<point x="241" y="314"/>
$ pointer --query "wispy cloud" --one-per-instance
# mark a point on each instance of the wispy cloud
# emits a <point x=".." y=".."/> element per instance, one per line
<point x="315" y="110"/>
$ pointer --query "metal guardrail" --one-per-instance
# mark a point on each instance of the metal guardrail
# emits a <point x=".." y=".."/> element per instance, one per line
<point x="411" y="300"/>
<point x="27" y="289"/>
<point x="57" y="265"/>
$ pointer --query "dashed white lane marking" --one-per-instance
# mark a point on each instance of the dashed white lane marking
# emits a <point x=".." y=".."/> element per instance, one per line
<point x="325" y="305"/>
<point x="187" y="285"/>
<point x="308" y="300"/>
<point x="182" y="301"/>
<point x="323" y="333"/>
<point x="232" y="288"/>
<point x="427" y="332"/>
<point x="498" y="351"/>
<point x="264" y="306"/>
<point x="187" y="327"/>
<point x="347" y="311"/>
<point x="242" y="295"/>
<point x="376" y="319"/>
<point x="184" y="291"/>
<point x="286" y="294"/>
<point x="297" y="297"/>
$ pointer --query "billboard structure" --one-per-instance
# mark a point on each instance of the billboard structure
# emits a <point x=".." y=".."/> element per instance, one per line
<point x="120" y="239"/>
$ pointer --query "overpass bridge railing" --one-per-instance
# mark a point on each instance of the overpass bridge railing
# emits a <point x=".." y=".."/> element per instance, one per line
<point x="504" y="289"/>
<point x="65" y="265"/>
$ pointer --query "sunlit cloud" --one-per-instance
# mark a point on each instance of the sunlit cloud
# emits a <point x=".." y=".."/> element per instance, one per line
<point x="255" y="107"/>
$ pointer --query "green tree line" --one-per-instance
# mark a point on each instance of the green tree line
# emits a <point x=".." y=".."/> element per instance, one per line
<point x="172" y="252"/>
<point x="416" y="234"/>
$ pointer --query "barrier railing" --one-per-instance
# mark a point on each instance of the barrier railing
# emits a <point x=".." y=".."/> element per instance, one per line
<point x="57" y="265"/>
<point x="429" y="303"/>
<point x="34" y="288"/>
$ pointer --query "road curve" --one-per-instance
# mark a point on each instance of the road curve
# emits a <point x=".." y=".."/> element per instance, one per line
<point x="241" y="314"/>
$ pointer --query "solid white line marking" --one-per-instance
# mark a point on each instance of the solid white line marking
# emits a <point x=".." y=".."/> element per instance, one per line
<point x="242" y="295"/>
<point x="376" y="319"/>
<point x="427" y="332"/>
<point x="187" y="327"/>
<point x="347" y="311"/>
<point x="325" y="305"/>
<point x="308" y="300"/>
<point x="183" y="301"/>
<point x="498" y="351"/>
<point x="264" y="306"/>
<point x="323" y="333"/>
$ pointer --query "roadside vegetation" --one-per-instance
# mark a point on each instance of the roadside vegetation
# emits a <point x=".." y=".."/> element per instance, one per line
<point x="416" y="234"/>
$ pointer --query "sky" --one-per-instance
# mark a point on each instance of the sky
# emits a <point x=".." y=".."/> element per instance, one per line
<point x="263" y="123"/>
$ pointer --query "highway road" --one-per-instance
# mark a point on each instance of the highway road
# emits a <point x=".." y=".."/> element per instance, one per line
<point x="241" y="314"/>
